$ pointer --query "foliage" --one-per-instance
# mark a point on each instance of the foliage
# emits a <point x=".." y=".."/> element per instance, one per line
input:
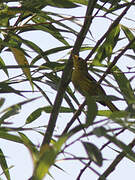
<point x="43" y="68"/>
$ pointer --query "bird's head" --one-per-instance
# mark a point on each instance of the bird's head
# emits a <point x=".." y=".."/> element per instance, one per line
<point x="79" y="63"/>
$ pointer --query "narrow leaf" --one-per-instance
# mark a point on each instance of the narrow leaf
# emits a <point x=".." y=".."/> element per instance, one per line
<point x="92" y="110"/>
<point x="106" y="49"/>
<point x="3" y="66"/>
<point x="93" y="153"/>
<point x="130" y="36"/>
<point x="4" y="165"/>
<point x="10" y="112"/>
<point x="124" y="85"/>
<point x="21" y="60"/>
<point x="10" y="137"/>
<point x="32" y="148"/>
<point x="120" y="144"/>
<point x="34" y="115"/>
<point x="61" y="3"/>
<point x="2" y="100"/>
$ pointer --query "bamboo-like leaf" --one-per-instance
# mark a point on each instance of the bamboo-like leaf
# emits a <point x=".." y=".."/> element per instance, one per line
<point x="83" y="2"/>
<point x="11" y="112"/>
<point x="50" y="52"/>
<point x="19" y="104"/>
<point x="124" y="85"/>
<point x="2" y="100"/>
<point x="92" y="110"/>
<point x="105" y="113"/>
<point x="5" y="88"/>
<point x="21" y="60"/>
<point x="34" y="115"/>
<point x="113" y="2"/>
<point x="48" y="109"/>
<point x="35" y="4"/>
<point x="106" y="49"/>
<point x="61" y="3"/>
<point x="10" y="137"/>
<point x="130" y="56"/>
<point x="51" y="29"/>
<point x="3" y="66"/>
<point x="130" y="36"/>
<point x="93" y="153"/>
<point x="32" y="148"/>
<point x="30" y="44"/>
<point x="5" y="15"/>
<point x="113" y="139"/>
<point x="4" y="166"/>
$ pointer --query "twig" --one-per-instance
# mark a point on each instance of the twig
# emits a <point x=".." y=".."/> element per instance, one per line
<point x="77" y="113"/>
<point x="117" y="160"/>
<point x="114" y="24"/>
<point x="116" y="59"/>
<point x="66" y="76"/>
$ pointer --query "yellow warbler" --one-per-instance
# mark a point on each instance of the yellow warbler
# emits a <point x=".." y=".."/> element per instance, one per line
<point x="86" y="84"/>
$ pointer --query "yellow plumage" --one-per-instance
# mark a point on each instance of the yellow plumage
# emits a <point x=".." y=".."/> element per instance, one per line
<point x="86" y="84"/>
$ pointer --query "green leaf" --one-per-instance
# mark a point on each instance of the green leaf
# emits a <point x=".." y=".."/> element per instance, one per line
<point x="2" y="100"/>
<point x="121" y="145"/>
<point x="53" y="65"/>
<point x="92" y="110"/>
<point x="83" y="2"/>
<point x="130" y="36"/>
<point x="30" y="44"/>
<point x="99" y="131"/>
<point x="10" y="112"/>
<point x="50" y="17"/>
<point x="61" y="3"/>
<point x="43" y="93"/>
<point x="32" y="148"/>
<point x="5" y="15"/>
<point x="10" y="137"/>
<point x="3" y="66"/>
<point x="34" y="115"/>
<point x="22" y="61"/>
<point x="106" y="49"/>
<point x="113" y="2"/>
<point x="93" y="153"/>
<point x="36" y="4"/>
<point x="18" y="105"/>
<point x="124" y="85"/>
<point x="105" y="113"/>
<point x="5" y="88"/>
<point x="48" y="109"/>
<point x="119" y="114"/>
<point x="49" y="28"/>
<point x="50" y="52"/>
<point x="4" y="165"/>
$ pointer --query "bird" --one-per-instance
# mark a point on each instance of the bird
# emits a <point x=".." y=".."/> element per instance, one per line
<point x="86" y="85"/>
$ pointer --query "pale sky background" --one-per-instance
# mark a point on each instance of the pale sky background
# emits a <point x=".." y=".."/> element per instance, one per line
<point x="18" y="155"/>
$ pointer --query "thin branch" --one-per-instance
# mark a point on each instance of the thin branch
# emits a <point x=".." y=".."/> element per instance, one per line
<point x="66" y="76"/>
<point x="116" y="59"/>
<point x="114" y="24"/>
<point x="40" y="24"/>
<point x="77" y="113"/>
<point x="117" y="160"/>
